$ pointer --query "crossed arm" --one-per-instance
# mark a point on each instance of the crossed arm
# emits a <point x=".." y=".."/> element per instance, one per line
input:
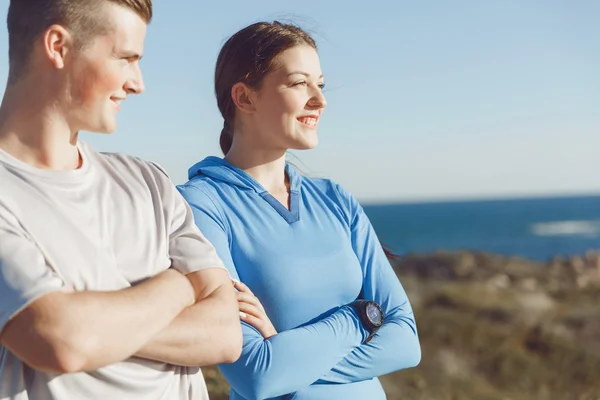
<point x="159" y="319"/>
<point x="68" y="332"/>
<point x="312" y="357"/>
<point x="396" y="344"/>
<point x="205" y="333"/>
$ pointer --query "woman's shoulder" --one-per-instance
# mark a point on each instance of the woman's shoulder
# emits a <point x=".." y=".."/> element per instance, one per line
<point x="200" y="192"/>
<point x="201" y="183"/>
<point x="335" y="193"/>
<point x="329" y="187"/>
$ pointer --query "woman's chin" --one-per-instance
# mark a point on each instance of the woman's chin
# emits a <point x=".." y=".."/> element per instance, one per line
<point x="305" y="146"/>
<point x="306" y="143"/>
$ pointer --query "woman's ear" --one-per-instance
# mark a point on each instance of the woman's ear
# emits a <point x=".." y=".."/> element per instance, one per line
<point x="243" y="97"/>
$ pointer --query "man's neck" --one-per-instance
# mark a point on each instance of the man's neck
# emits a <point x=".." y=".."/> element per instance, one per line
<point x="33" y="131"/>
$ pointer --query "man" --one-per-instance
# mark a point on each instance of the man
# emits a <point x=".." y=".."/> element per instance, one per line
<point x="107" y="288"/>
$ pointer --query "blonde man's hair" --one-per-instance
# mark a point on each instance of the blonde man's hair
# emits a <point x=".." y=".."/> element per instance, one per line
<point x="28" y="19"/>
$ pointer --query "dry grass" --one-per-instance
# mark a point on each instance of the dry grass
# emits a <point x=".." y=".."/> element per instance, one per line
<point x="489" y="332"/>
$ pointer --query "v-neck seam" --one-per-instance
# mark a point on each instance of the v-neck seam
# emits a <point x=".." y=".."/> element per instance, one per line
<point x="290" y="216"/>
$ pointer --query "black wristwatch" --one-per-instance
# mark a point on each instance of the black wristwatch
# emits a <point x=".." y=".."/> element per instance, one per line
<point x="371" y="316"/>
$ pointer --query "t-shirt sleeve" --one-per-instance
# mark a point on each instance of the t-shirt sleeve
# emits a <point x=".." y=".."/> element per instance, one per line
<point x="25" y="275"/>
<point x="189" y="250"/>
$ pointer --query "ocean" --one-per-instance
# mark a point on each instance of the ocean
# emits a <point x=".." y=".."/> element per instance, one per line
<point x="538" y="229"/>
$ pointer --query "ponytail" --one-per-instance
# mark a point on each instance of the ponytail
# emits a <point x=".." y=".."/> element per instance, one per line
<point x="226" y="138"/>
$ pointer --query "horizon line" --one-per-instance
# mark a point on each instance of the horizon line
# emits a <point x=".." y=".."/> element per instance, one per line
<point x="476" y="198"/>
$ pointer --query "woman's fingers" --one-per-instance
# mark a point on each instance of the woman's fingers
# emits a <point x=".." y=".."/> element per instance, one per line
<point x="241" y="286"/>
<point x="252" y="320"/>
<point x="251" y="310"/>
<point x="250" y="299"/>
<point x="245" y="297"/>
<point x="245" y="290"/>
<point x="265" y="329"/>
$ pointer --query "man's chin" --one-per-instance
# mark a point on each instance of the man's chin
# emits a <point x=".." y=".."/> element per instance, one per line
<point x="104" y="130"/>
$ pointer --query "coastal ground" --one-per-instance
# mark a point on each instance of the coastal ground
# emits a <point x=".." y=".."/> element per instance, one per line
<point x="496" y="328"/>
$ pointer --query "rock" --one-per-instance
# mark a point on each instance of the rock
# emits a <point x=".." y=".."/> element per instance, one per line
<point x="538" y="302"/>
<point x="528" y="284"/>
<point x="577" y="264"/>
<point x="583" y="281"/>
<point x="500" y="281"/>
<point x="465" y="265"/>
<point x="453" y="364"/>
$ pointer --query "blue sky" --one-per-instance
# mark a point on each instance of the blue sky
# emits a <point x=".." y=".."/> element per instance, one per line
<point x="427" y="100"/>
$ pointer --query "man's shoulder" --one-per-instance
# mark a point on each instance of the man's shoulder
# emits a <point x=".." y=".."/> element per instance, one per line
<point x="138" y="175"/>
<point x="118" y="159"/>
<point x="125" y="163"/>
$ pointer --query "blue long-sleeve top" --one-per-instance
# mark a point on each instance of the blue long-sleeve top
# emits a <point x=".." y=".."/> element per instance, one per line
<point x="305" y="264"/>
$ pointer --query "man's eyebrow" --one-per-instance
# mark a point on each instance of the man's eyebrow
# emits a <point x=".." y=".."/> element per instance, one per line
<point x="306" y="74"/>
<point x="131" y="54"/>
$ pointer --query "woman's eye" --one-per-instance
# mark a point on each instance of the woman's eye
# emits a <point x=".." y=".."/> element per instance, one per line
<point x="321" y="86"/>
<point x="300" y="83"/>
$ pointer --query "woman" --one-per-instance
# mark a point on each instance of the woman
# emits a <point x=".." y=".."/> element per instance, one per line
<point x="303" y="246"/>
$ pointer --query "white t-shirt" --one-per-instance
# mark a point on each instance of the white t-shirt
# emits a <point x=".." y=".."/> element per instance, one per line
<point x="114" y="221"/>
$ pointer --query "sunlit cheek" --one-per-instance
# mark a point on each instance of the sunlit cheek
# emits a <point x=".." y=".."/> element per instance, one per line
<point x="95" y="85"/>
<point x="289" y="109"/>
<point x="294" y="103"/>
<point x="81" y="87"/>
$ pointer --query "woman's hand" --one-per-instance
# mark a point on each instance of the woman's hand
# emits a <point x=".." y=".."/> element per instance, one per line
<point x="252" y="311"/>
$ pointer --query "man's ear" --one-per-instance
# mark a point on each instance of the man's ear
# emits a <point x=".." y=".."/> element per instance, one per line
<point x="57" y="43"/>
<point x="243" y="97"/>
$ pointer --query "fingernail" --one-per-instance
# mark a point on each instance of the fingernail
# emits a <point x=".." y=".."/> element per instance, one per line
<point x="243" y="314"/>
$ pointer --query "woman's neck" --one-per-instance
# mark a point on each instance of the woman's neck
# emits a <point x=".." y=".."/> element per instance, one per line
<point x="267" y="167"/>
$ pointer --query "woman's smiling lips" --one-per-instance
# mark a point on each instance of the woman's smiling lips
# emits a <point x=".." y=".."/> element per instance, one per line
<point x="309" y="120"/>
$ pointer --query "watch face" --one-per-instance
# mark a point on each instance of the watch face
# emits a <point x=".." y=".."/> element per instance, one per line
<point x="374" y="314"/>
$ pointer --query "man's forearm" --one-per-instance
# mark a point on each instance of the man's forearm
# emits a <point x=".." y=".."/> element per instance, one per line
<point x="207" y="333"/>
<point x="82" y="331"/>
